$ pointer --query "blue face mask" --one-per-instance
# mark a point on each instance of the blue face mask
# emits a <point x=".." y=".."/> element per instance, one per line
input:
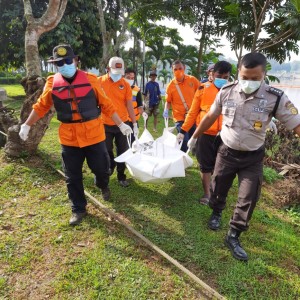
<point x="115" y="77"/>
<point x="219" y="82"/>
<point x="67" y="71"/>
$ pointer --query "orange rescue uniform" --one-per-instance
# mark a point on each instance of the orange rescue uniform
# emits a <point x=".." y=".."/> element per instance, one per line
<point x="135" y="91"/>
<point x="188" y="87"/>
<point x="77" y="134"/>
<point x="120" y="93"/>
<point x="203" y="99"/>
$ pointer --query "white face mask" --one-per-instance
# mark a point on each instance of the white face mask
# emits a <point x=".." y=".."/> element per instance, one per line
<point x="130" y="81"/>
<point x="249" y="86"/>
<point x="115" y="77"/>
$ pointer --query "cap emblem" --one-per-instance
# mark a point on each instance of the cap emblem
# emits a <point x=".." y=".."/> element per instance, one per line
<point x="61" y="51"/>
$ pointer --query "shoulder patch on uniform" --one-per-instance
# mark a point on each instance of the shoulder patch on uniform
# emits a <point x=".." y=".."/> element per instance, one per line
<point x="275" y="91"/>
<point x="229" y="85"/>
<point x="201" y="87"/>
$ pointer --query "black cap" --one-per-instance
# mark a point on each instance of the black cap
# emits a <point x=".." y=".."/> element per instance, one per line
<point x="61" y="52"/>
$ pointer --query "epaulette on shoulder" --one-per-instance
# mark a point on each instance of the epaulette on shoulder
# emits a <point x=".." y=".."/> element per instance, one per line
<point x="201" y="87"/>
<point x="229" y="85"/>
<point x="275" y="91"/>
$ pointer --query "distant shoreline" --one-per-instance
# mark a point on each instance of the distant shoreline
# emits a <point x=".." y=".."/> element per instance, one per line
<point x="286" y="86"/>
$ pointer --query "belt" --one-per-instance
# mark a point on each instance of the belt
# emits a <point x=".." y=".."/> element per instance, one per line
<point x="240" y="152"/>
<point x="80" y="120"/>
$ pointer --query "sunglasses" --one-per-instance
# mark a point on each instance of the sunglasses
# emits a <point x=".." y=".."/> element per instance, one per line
<point x="67" y="61"/>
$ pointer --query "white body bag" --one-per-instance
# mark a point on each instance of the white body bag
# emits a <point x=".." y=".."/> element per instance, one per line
<point x="156" y="161"/>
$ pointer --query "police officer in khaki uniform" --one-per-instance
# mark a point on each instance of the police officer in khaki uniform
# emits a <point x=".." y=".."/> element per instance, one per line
<point x="247" y="106"/>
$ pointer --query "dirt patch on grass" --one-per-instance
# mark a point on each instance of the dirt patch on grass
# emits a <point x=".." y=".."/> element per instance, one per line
<point x="285" y="192"/>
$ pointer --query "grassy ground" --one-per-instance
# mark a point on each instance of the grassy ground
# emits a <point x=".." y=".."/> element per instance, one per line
<point x="42" y="257"/>
<point x="14" y="91"/>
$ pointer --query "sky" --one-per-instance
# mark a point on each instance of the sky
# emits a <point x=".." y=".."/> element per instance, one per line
<point x="188" y="36"/>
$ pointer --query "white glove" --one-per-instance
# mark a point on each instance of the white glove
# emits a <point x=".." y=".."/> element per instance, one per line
<point x="24" y="132"/>
<point x="125" y="129"/>
<point x="272" y="126"/>
<point x="192" y="143"/>
<point x="166" y="113"/>
<point x="180" y="137"/>
<point x="135" y="130"/>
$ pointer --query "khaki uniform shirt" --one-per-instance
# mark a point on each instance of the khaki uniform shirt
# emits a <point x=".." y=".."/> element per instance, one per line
<point x="245" y="119"/>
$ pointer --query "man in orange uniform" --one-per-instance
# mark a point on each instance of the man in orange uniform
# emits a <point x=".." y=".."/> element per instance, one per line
<point x="119" y="91"/>
<point x="206" y="145"/>
<point x="137" y="101"/>
<point x="180" y="93"/>
<point x="78" y="101"/>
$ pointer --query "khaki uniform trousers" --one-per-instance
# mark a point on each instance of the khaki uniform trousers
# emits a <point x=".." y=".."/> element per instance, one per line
<point x="248" y="166"/>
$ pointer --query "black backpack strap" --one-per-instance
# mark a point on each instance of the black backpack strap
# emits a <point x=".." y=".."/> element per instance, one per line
<point x="279" y="94"/>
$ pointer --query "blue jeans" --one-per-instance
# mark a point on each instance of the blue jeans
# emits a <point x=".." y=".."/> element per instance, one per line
<point x="187" y="136"/>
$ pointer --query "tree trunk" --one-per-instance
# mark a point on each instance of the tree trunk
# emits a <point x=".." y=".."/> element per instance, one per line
<point x="111" y="41"/>
<point x="201" y="47"/>
<point x="15" y="146"/>
<point x="33" y="83"/>
<point x="106" y="40"/>
<point x="134" y="53"/>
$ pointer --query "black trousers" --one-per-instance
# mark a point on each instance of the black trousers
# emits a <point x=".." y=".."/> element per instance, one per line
<point x="206" y="152"/>
<point x="187" y="136"/>
<point x="98" y="161"/>
<point x="248" y="165"/>
<point x="113" y="133"/>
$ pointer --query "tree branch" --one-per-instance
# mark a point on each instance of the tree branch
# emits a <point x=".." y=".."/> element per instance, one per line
<point x="121" y="37"/>
<point x="52" y="16"/>
<point x="102" y="19"/>
<point x="277" y="40"/>
<point x="254" y="12"/>
<point x="258" y="21"/>
<point x="28" y="11"/>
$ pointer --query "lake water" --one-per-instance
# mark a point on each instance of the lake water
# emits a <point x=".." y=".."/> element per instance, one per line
<point x="293" y="93"/>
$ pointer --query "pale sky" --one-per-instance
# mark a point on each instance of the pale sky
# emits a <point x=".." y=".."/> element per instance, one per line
<point x="188" y="36"/>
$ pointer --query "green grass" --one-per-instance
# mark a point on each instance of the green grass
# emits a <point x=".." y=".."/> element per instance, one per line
<point x="41" y="255"/>
<point x="15" y="95"/>
<point x="13" y="90"/>
<point x="270" y="175"/>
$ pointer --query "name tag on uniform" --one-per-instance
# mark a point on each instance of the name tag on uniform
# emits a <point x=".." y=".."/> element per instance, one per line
<point x="230" y="103"/>
<point x="258" y="109"/>
<point x="261" y="108"/>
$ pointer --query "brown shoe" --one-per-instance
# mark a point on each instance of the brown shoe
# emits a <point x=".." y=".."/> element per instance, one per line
<point x="77" y="218"/>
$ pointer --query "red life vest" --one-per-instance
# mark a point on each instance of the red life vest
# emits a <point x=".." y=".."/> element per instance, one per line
<point x="79" y="92"/>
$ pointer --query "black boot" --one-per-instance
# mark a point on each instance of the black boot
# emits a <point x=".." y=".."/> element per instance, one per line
<point x="233" y="243"/>
<point x="77" y="218"/>
<point x="105" y="193"/>
<point x="214" y="221"/>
